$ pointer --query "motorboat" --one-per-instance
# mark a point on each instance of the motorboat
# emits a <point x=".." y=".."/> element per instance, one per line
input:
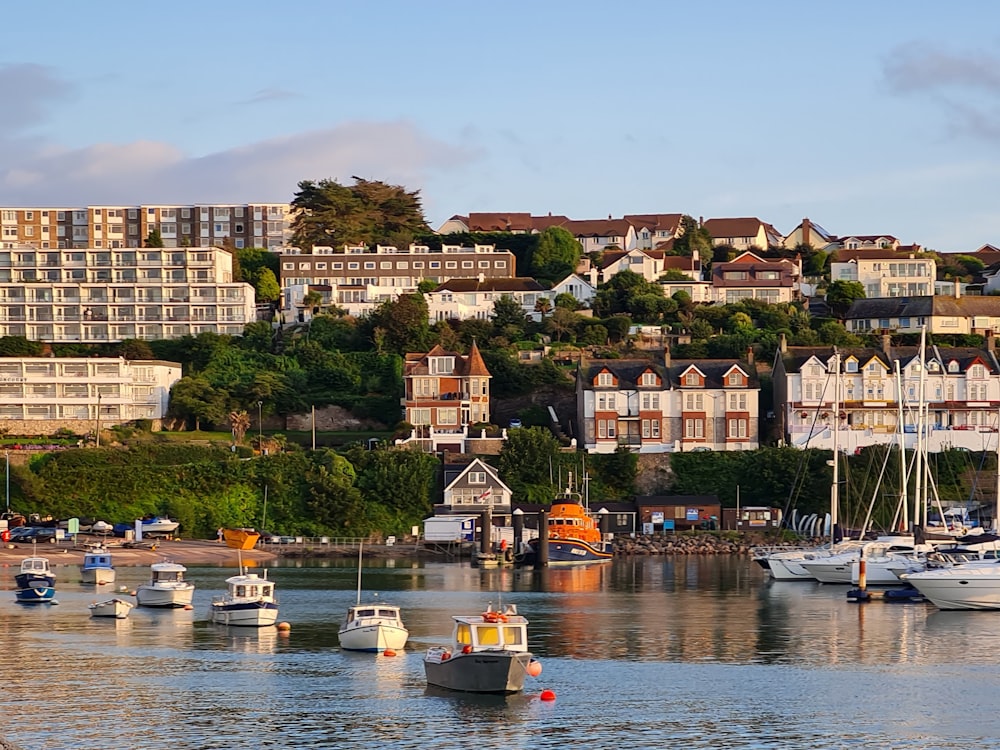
<point x="35" y="582"/>
<point x="374" y="627"/>
<point x="249" y="601"/>
<point x="574" y="536"/>
<point x="240" y="538"/>
<point x="488" y="654"/>
<point x="971" y="585"/>
<point x="166" y="587"/>
<point x="157" y="525"/>
<point x="97" y="568"/>
<point x="117" y="608"/>
<point x="881" y="555"/>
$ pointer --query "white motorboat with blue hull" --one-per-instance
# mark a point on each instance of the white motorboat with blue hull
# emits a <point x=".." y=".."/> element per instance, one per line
<point x="35" y="595"/>
<point x="36" y="583"/>
<point x="248" y="602"/>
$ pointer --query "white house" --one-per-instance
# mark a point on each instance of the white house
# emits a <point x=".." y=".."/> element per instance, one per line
<point x="463" y="299"/>
<point x="885" y="273"/>
<point x="577" y="286"/>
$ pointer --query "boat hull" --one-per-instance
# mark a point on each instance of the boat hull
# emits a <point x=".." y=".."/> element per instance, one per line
<point x="373" y="638"/>
<point x="114" y="608"/>
<point x="245" y="614"/>
<point x="829" y="571"/>
<point x="573" y="552"/>
<point x="97" y="576"/>
<point x="154" y="596"/>
<point x="497" y="672"/>
<point x="35" y="594"/>
<point x="972" y="588"/>
<point x="788" y="569"/>
<point x="34" y="580"/>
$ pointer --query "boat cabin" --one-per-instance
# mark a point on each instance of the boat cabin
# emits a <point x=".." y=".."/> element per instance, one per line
<point x="39" y="565"/>
<point x="97" y="560"/>
<point x="380" y="612"/>
<point x="168" y="575"/>
<point x="491" y="631"/>
<point x="245" y="588"/>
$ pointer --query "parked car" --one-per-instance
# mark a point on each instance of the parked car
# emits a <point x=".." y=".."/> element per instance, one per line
<point x="35" y="534"/>
<point x="515" y="422"/>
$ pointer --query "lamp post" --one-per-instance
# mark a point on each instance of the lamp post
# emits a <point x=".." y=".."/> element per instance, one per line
<point x="260" y="427"/>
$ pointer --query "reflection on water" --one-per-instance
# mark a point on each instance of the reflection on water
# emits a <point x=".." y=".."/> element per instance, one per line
<point x="645" y="652"/>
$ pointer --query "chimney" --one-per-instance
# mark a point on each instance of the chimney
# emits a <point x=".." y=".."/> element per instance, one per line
<point x="958" y="289"/>
<point x="806" y="231"/>
<point x="782" y="344"/>
<point x="666" y="356"/>
<point x="990" y="341"/>
<point x="887" y="344"/>
<point x="750" y="355"/>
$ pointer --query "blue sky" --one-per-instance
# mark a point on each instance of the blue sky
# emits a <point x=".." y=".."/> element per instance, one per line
<point x="867" y="117"/>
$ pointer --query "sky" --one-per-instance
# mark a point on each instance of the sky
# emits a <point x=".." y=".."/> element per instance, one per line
<point x="869" y="118"/>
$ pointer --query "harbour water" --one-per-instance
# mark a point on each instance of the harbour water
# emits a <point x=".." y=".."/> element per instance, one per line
<point x="641" y="653"/>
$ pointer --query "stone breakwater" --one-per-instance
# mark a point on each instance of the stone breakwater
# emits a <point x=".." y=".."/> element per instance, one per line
<point x="700" y="544"/>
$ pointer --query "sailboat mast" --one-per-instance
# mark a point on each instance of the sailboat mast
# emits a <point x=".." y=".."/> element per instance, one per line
<point x="920" y="489"/>
<point x="835" y="487"/>
<point x="360" y="546"/>
<point x="996" y="505"/>
<point x="904" y="502"/>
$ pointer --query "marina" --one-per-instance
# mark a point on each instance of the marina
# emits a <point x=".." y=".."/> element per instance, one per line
<point x="640" y="652"/>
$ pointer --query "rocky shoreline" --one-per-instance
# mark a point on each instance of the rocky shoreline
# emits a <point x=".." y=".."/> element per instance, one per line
<point x="696" y="544"/>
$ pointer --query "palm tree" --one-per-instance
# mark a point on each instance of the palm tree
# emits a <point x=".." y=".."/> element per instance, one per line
<point x="240" y="422"/>
<point x="543" y="306"/>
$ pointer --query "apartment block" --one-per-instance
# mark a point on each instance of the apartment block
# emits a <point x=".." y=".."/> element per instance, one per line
<point x="40" y="395"/>
<point x="96" y="295"/>
<point x="114" y="227"/>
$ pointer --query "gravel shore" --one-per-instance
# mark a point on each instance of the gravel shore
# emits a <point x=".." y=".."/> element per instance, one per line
<point x="185" y="552"/>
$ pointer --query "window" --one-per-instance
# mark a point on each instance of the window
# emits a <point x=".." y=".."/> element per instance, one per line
<point x="691" y="379"/>
<point x="694" y="402"/>
<point x="738" y="428"/>
<point x="737" y="402"/>
<point x="852" y="365"/>
<point x="477" y="477"/>
<point x="694" y="428"/>
<point x="605" y="378"/>
<point x="735" y="378"/>
<point x="647" y="378"/>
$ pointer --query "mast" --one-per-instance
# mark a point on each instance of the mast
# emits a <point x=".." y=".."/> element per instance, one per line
<point x="835" y="487"/>
<point x="919" y="488"/>
<point x="904" y="502"/>
<point x="360" y="547"/>
<point x="996" y="506"/>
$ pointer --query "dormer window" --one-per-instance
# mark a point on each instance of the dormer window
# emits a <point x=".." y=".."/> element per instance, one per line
<point x="932" y="367"/>
<point x="647" y="378"/>
<point x="953" y="366"/>
<point x="477" y="477"/>
<point x="735" y="378"/>
<point x="851" y="365"/>
<point x="691" y="379"/>
<point x="442" y="365"/>
<point x="605" y="378"/>
<point x="977" y="371"/>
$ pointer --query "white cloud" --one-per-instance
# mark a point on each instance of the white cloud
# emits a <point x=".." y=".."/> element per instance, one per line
<point x="37" y="171"/>
<point x="154" y="172"/>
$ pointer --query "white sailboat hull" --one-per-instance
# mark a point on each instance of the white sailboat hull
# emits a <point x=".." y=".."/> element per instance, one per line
<point x="161" y="596"/>
<point x="374" y="637"/>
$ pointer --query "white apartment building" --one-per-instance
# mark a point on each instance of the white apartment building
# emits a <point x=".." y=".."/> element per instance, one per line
<point x="96" y="295"/>
<point x="112" y="227"/>
<point x="358" y="278"/>
<point x="961" y="387"/>
<point x="40" y="395"/>
<point x="885" y="273"/>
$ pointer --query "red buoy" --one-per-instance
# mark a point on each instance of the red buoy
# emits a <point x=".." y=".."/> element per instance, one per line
<point x="547" y="695"/>
<point x="388" y="652"/>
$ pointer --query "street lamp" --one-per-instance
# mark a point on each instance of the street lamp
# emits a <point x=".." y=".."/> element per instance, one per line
<point x="260" y="427"/>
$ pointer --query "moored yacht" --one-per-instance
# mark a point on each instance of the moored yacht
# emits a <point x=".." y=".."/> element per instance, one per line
<point x="166" y="587"/>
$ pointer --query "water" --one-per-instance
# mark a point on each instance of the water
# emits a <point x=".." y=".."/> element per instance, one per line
<point x="644" y="653"/>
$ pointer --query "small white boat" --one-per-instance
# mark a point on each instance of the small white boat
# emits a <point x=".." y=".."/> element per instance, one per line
<point x="249" y="601"/>
<point x="372" y="627"/>
<point x="159" y="525"/>
<point x="166" y="587"/>
<point x="97" y="568"/>
<point x="488" y="654"/>
<point x="117" y="608"/>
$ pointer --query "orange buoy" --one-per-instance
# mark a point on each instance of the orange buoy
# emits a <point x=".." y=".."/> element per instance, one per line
<point x="284" y="627"/>
<point x="547" y="695"/>
<point x="534" y="668"/>
<point x="188" y="607"/>
<point x="466" y="649"/>
<point x="388" y="652"/>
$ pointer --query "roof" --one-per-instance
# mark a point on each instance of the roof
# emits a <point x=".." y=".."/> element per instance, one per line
<point x="881" y="253"/>
<point x="797" y="356"/>
<point x="656" y="222"/>
<point x="725" y="228"/>
<point x="516" y="284"/>
<point x="891" y="307"/>
<point x="416" y="363"/>
<point x="500" y="222"/>
<point x="598" y="227"/>
<point x="868" y="237"/>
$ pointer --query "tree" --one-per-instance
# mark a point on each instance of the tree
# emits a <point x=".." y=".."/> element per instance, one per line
<point x="568" y="301"/>
<point x="19" y="346"/>
<point x="195" y="398"/>
<point x="507" y="312"/>
<point x="557" y="254"/>
<point x="132" y="349"/>
<point x="403" y="323"/>
<point x="674" y="274"/>
<point x="368" y="212"/>
<point x="563" y="321"/>
<point x="693" y="238"/>
<point x="543" y="306"/>
<point x="528" y="462"/>
<point x="239" y="421"/>
<point x="267" y="287"/>
<point x="153" y="239"/>
<point x="840" y="294"/>
<point x="312" y="299"/>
